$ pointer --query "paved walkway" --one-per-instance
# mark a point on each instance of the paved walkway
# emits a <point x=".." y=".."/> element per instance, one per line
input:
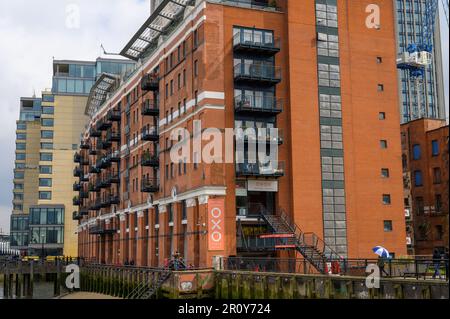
<point x="87" y="295"/>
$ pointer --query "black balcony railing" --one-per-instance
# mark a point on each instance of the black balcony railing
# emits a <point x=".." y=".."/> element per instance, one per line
<point x="258" y="104"/>
<point x="77" y="172"/>
<point x="260" y="170"/>
<point x="114" y="116"/>
<point x="114" y="199"/>
<point x="257" y="135"/>
<point x="93" y="149"/>
<point x="149" y="160"/>
<point x="93" y="132"/>
<point x="101" y="230"/>
<point x="150" y="108"/>
<point x="114" y="178"/>
<point x="76" y="187"/>
<point x="247" y="40"/>
<point x="76" y="158"/>
<point x="150" y="134"/>
<point x="84" y="146"/>
<point x="94" y="170"/>
<point x="76" y="216"/>
<point x="255" y="243"/>
<point x="96" y="205"/>
<point x="114" y="157"/>
<point x="257" y="73"/>
<point x="93" y="188"/>
<point x="113" y="136"/>
<point x="76" y="201"/>
<point x="103" y="125"/>
<point x="150" y="185"/>
<point x="83" y="195"/>
<point x="150" y="82"/>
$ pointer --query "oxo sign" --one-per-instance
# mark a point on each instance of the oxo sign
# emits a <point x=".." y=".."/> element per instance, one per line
<point x="216" y="224"/>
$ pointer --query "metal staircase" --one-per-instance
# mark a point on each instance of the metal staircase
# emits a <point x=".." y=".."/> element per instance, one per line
<point x="311" y="246"/>
<point x="146" y="290"/>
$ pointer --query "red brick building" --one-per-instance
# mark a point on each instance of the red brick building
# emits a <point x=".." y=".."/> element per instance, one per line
<point x="426" y="183"/>
<point x="312" y="69"/>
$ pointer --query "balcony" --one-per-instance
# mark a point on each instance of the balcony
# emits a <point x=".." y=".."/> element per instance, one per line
<point x="85" y="146"/>
<point x="77" y="158"/>
<point x="114" y="116"/>
<point x="101" y="230"/>
<point x="114" y="178"/>
<point x="76" y="216"/>
<point x="93" y="132"/>
<point x="76" y="201"/>
<point x="150" y="185"/>
<point x="84" y="178"/>
<point x="149" y="160"/>
<point x="96" y="205"/>
<point x="150" y="82"/>
<point x="150" y="134"/>
<point x="114" y="157"/>
<point x="93" y="188"/>
<point x="255" y="243"/>
<point x="257" y="74"/>
<point x="94" y="170"/>
<point x="253" y="41"/>
<point x="260" y="170"/>
<point x="105" y="203"/>
<point x="257" y="135"/>
<point x="261" y="105"/>
<point x="84" y="195"/>
<point x="93" y="150"/>
<point x="103" y="125"/>
<point x="77" y="172"/>
<point x="105" y="183"/>
<point x="76" y="187"/>
<point x="114" y="199"/>
<point x="103" y="163"/>
<point x="150" y="108"/>
<point x="103" y="145"/>
<point x="84" y="161"/>
<point x="113" y="136"/>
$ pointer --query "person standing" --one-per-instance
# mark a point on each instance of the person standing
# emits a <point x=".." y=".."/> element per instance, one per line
<point x="381" y="265"/>
<point x="437" y="264"/>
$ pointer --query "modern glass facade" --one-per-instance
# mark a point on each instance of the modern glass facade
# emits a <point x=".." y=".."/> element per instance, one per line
<point x="424" y="98"/>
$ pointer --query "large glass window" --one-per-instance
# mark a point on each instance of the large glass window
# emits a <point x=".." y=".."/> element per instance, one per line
<point x="46" y="157"/>
<point x="45" y="169"/>
<point x="21" y="146"/>
<point x="47" y="146"/>
<point x="47" y="122"/>
<point x="21" y="136"/>
<point x="79" y="86"/>
<point x="418" y="181"/>
<point x="62" y="85"/>
<point x="435" y="148"/>
<point x="47" y="134"/>
<point x="48" y="110"/>
<point x="19" y="175"/>
<point x="20" y="156"/>
<point x="45" y="195"/>
<point x="21" y="126"/>
<point x="45" y="182"/>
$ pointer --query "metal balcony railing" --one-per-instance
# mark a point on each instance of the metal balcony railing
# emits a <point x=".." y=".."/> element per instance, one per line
<point x="114" y="116"/>
<point x="150" y="82"/>
<point x="149" y="160"/>
<point x="260" y="169"/>
<point x="150" y="185"/>
<point x="150" y="134"/>
<point x="150" y="108"/>
<point x="258" y="104"/>
<point x="258" y="135"/>
<point x="253" y="41"/>
<point x="257" y="73"/>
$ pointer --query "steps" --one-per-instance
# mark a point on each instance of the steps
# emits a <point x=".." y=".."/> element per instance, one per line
<point x="147" y="290"/>
<point x="310" y="246"/>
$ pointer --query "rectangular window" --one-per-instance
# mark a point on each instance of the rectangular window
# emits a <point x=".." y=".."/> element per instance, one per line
<point x="48" y="110"/>
<point x="380" y="87"/>
<point x="46" y="157"/>
<point x="420" y="205"/>
<point x="20" y="157"/>
<point x="45" y="182"/>
<point x="47" y="122"/>
<point x="379" y="60"/>
<point x="45" y="195"/>
<point x="386" y="199"/>
<point x="47" y="134"/>
<point x="21" y="126"/>
<point x="385" y="172"/>
<point x="436" y="175"/>
<point x="21" y="136"/>
<point x="388" y="226"/>
<point x="47" y="146"/>
<point x="21" y="146"/>
<point x="195" y="68"/>
<point x="383" y="144"/>
<point x="418" y="178"/>
<point x="416" y="152"/>
<point x="435" y="148"/>
<point x="438" y="203"/>
<point x="19" y="175"/>
<point x="382" y="116"/>
<point x="45" y="169"/>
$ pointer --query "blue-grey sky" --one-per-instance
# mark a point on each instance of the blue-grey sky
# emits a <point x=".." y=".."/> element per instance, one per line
<point x="33" y="32"/>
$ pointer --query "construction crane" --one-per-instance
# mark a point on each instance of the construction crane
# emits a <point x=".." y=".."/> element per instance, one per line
<point x="419" y="56"/>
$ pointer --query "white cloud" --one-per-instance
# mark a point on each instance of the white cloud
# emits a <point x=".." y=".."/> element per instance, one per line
<point x="31" y="33"/>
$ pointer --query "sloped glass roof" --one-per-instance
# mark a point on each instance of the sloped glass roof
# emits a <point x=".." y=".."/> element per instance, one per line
<point x="105" y="84"/>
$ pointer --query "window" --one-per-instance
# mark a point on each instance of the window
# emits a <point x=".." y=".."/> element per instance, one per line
<point x="418" y="178"/>
<point x="386" y="199"/>
<point x="383" y="144"/>
<point x="385" y="172"/>
<point x="45" y="169"/>
<point x="18" y="186"/>
<point x="195" y="38"/>
<point x="436" y="175"/>
<point x="382" y="116"/>
<point x="416" y="152"/>
<point x="19" y="175"/>
<point x="47" y="146"/>
<point x="439" y="232"/>
<point x="45" y="182"/>
<point x="21" y="136"/>
<point x="45" y="195"/>
<point x="387" y="225"/>
<point x="435" y="148"/>
<point x="379" y="60"/>
<point x="18" y="196"/>
<point x="179" y="81"/>
<point x="47" y="134"/>
<point x="20" y="166"/>
<point x="21" y="126"/>
<point x="20" y="157"/>
<point x="329" y="75"/>
<point x="21" y="146"/>
<point x="438" y="203"/>
<point x="171" y="87"/>
<point x="167" y="171"/>
<point x="420" y="205"/>
<point x="195" y="68"/>
<point x="380" y="87"/>
<point x="46" y="157"/>
<point x="47" y="122"/>
<point x="48" y="110"/>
